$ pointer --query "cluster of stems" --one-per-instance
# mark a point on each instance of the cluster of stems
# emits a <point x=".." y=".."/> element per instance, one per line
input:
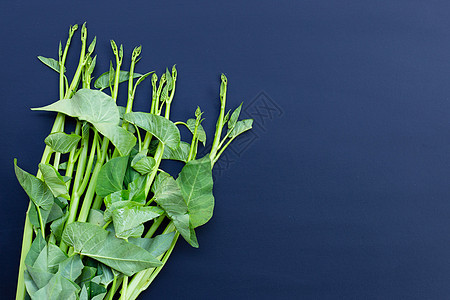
<point x="84" y="162"/>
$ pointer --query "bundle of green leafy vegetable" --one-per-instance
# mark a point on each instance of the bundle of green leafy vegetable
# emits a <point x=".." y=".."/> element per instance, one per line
<point x="100" y="201"/>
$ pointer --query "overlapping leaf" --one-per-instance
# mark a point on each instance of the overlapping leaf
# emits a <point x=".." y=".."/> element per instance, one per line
<point x="180" y="153"/>
<point x="163" y="129"/>
<point x="130" y="216"/>
<point x="168" y="195"/>
<point x="102" y="82"/>
<point x="95" y="242"/>
<point x="54" y="181"/>
<point x="101" y="111"/>
<point x="62" y="142"/>
<point x="51" y="63"/>
<point x="196" y="183"/>
<point x="142" y="163"/>
<point x="111" y="175"/>
<point x="35" y="188"/>
<point x="157" y="245"/>
<point x="201" y="134"/>
<point x="240" y="127"/>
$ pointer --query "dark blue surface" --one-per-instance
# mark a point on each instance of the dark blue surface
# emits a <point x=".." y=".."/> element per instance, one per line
<point x="341" y="191"/>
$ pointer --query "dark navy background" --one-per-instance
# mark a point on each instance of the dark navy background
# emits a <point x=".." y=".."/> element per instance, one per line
<point x="342" y="191"/>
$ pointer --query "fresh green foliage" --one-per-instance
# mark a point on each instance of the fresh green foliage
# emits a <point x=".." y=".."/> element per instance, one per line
<point x="101" y="111"/>
<point x="100" y="194"/>
<point x="54" y="181"/>
<point x="51" y="63"/>
<point x="161" y="128"/>
<point x="240" y="127"/>
<point x="180" y="153"/>
<point x="142" y="163"/>
<point x="110" y="177"/>
<point x="93" y="241"/>
<point x="201" y="135"/>
<point x="196" y="184"/>
<point x="62" y="142"/>
<point x="35" y="188"/>
<point x="103" y="81"/>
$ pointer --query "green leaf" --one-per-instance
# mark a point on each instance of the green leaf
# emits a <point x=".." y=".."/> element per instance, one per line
<point x="35" y="188"/>
<point x="227" y="116"/>
<point x="50" y="62"/>
<point x="112" y="206"/>
<point x="92" y="64"/>
<point x="157" y="245"/>
<point x="84" y="293"/>
<point x="96" y="217"/>
<point x="45" y="265"/>
<point x="57" y="288"/>
<point x="71" y="267"/>
<point x="142" y="77"/>
<point x="95" y="242"/>
<point x="111" y="175"/>
<point x="234" y="117"/>
<point x="180" y="153"/>
<point x="168" y="195"/>
<point x="136" y="190"/>
<point x="87" y="274"/>
<point x="241" y="126"/>
<point x="169" y="81"/>
<point x="122" y="139"/>
<point x="163" y="129"/>
<point x="57" y="226"/>
<point x="106" y="275"/>
<point x="101" y="111"/>
<point x="185" y="228"/>
<point x="54" y="257"/>
<point x="111" y="75"/>
<point x="103" y="81"/>
<point x="54" y="214"/>
<point x="36" y="248"/>
<point x="54" y="181"/>
<point x="131" y="216"/>
<point x="196" y="184"/>
<point x="143" y="164"/>
<point x="92" y="45"/>
<point x="62" y="142"/>
<point x="94" y="290"/>
<point x="30" y="285"/>
<point x="201" y="134"/>
<point x="116" y="197"/>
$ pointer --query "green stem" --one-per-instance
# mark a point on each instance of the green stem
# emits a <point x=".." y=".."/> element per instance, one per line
<point x="75" y="199"/>
<point x="87" y="173"/>
<point x="41" y="222"/>
<point x="154" y="226"/>
<point x="219" y="125"/>
<point x="76" y="78"/>
<point x="134" y="56"/>
<point x="27" y="238"/>
<point x="216" y="158"/>
<point x="26" y="245"/>
<point x="123" y="292"/>
<point x="81" y="167"/>
<point x="90" y="193"/>
<point x="113" y="289"/>
<point x="63" y="62"/>
<point x="57" y="160"/>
